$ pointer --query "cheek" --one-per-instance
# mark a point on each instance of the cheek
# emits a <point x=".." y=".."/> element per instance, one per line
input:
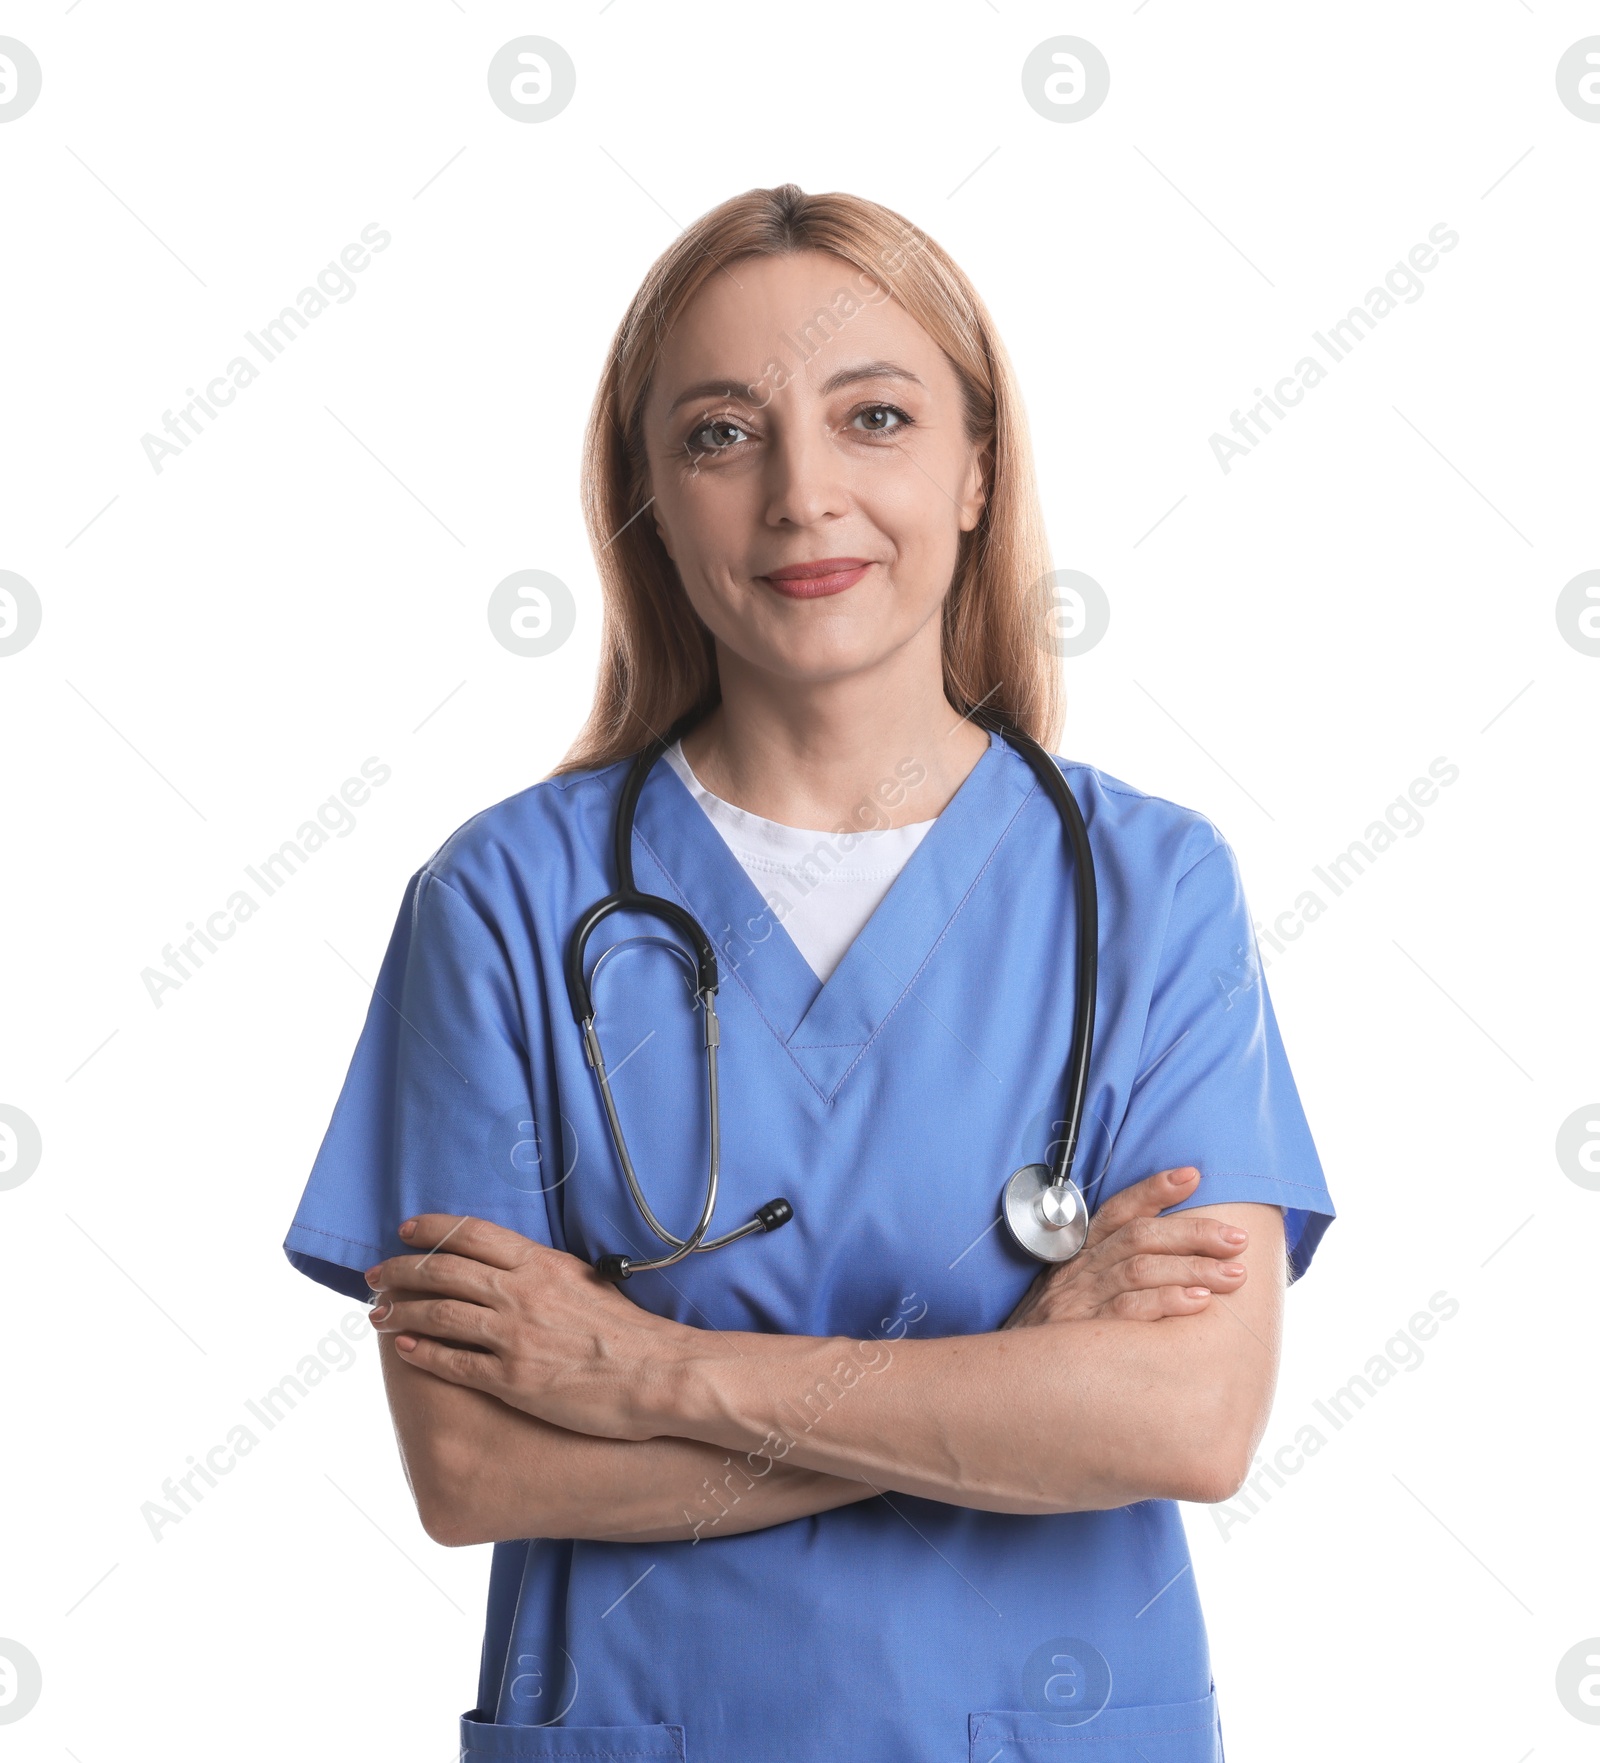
<point x="730" y="619"/>
<point x="925" y="544"/>
<point x="699" y="528"/>
<point x="913" y="501"/>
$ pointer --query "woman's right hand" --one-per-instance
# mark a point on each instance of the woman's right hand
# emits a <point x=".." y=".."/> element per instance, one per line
<point x="1137" y="1266"/>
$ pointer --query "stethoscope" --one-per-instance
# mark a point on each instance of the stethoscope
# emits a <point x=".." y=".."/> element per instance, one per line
<point x="1042" y="1205"/>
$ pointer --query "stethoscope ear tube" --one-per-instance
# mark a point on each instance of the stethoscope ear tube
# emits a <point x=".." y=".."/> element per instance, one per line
<point x="627" y="898"/>
<point x="579" y="992"/>
<point x="773" y="1216"/>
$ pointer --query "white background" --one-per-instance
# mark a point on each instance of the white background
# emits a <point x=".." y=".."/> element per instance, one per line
<point x="224" y="642"/>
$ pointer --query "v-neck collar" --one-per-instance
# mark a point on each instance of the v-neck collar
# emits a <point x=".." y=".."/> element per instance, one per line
<point x="827" y="1028"/>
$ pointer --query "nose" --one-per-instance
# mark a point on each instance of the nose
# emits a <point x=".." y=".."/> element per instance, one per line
<point x="807" y="475"/>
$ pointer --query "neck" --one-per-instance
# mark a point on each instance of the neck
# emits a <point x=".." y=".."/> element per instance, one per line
<point x="881" y="748"/>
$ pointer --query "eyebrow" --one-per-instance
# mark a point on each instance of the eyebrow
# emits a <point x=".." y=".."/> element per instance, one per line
<point x="845" y="376"/>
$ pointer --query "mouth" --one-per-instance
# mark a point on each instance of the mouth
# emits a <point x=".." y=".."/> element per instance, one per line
<point x="812" y="581"/>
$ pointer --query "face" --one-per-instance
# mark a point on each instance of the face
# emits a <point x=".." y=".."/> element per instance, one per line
<point x="764" y="468"/>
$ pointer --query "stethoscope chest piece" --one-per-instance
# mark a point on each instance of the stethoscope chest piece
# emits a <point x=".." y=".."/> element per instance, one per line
<point x="1050" y="1222"/>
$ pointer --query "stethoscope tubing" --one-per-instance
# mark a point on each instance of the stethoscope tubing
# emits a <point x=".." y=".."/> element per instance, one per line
<point x="628" y="898"/>
<point x="1088" y="937"/>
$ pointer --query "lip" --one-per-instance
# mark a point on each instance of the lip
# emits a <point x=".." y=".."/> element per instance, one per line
<point x="811" y="581"/>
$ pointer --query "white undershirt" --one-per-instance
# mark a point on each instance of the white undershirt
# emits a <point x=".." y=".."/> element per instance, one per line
<point x="821" y="887"/>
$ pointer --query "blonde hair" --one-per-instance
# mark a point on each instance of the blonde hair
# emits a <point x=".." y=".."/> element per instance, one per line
<point x="658" y="663"/>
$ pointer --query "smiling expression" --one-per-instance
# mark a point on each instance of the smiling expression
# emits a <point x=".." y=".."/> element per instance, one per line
<point x="814" y="512"/>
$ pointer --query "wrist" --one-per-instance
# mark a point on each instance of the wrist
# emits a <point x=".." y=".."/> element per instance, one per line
<point x="669" y="1393"/>
<point x="751" y="1392"/>
<point x="717" y="1388"/>
<point x="687" y="1398"/>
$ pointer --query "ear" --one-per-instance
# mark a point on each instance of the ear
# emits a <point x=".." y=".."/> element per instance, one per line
<point x="975" y="490"/>
<point x="647" y="493"/>
<point x="661" y="531"/>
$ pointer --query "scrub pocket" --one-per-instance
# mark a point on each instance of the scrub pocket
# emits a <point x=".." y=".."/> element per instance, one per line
<point x="1169" y="1732"/>
<point x="570" y="1744"/>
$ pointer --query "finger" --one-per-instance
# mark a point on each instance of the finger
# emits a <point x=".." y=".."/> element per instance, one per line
<point x="439" y="1275"/>
<point x="444" y="1319"/>
<point x="1024" y="1309"/>
<point x="475" y="1371"/>
<point x="1142" y="1273"/>
<point x="475" y="1238"/>
<point x="1177" y="1233"/>
<point x="1144" y="1199"/>
<point x="1151" y="1306"/>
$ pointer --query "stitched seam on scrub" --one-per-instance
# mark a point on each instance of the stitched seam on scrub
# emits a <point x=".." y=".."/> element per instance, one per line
<point x="1133" y="795"/>
<point x="349" y="1242"/>
<point x="1107" y="1738"/>
<point x="590" y="1751"/>
<point x="772" y="1028"/>
<point x="827" y="1096"/>
<point x="1276" y="1181"/>
<point x="937" y="945"/>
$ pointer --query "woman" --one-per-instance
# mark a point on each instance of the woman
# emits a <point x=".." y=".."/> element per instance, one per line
<point x="863" y="1487"/>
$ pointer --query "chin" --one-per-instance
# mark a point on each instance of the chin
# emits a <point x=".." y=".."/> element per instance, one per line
<point x="818" y="661"/>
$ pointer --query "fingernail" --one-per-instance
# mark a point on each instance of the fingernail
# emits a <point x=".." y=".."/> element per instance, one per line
<point x="405" y="1342"/>
<point x="1198" y="1292"/>
<point x="1232" y="1234"/>
<point x="379" y="1311"/>
<point x="1233" y="1270"/>
<point x="371" y="1275"/>
<point x="409" y="1229"/>
<point x="1182" y="1177"/>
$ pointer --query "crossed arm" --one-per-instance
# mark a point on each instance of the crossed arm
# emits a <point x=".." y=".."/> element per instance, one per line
<point x="531" y="1398"/>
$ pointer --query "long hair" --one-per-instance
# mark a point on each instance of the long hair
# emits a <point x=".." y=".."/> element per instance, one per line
<point x="657" y="660"/>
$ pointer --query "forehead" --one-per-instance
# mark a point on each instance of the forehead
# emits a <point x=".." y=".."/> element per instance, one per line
<point x="808" y="311"/>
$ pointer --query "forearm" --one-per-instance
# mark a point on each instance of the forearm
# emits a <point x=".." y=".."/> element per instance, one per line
<point x="1060" y="1414"/>
<point x="1071" y="1416"/>
<point x="483" y="1472"/>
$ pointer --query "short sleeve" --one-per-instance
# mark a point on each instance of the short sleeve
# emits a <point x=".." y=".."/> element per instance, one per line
<point x="436" y="1113"/>
<point x="1213" y="1087"/>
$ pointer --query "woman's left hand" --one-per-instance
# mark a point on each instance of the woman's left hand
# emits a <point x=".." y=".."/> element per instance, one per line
<point x="1138" y="1265"/>
<point x="536" y="1328"/>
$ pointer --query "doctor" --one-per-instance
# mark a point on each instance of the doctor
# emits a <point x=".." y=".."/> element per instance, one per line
<point x="873" y="1486"/>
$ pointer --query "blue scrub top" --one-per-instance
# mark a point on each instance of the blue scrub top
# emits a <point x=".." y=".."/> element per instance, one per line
<point x="889" y="1106"/>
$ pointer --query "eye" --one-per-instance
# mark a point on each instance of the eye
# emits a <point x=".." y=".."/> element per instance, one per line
<point x="715" y="435"/>
<point x="874" y="413"/>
